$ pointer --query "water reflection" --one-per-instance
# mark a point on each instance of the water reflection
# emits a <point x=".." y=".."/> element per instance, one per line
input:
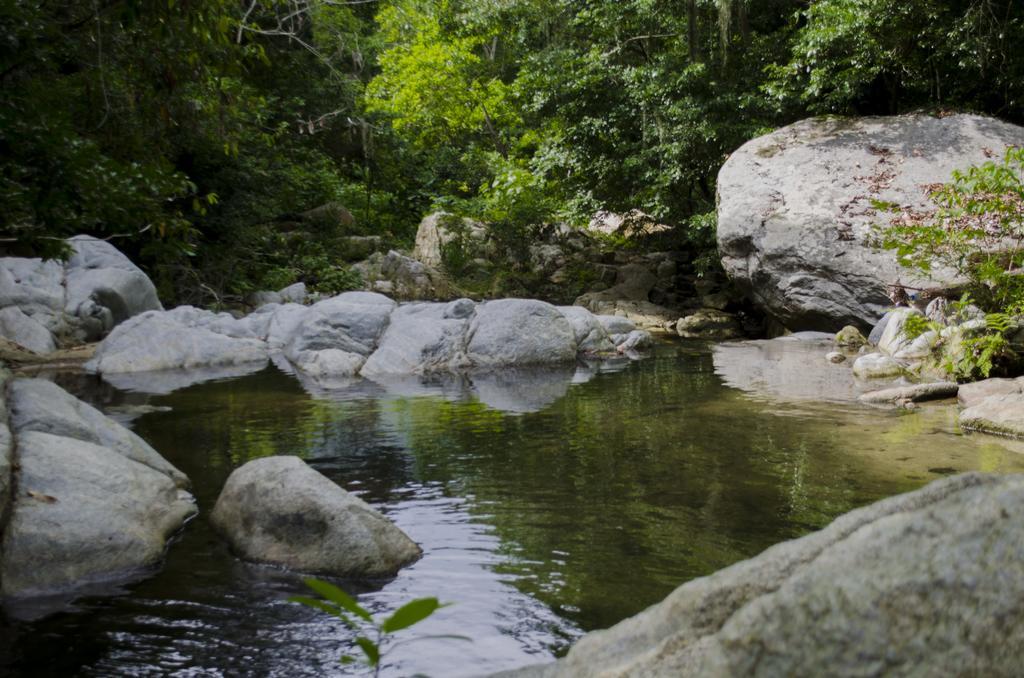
<point x="545" y="506"/>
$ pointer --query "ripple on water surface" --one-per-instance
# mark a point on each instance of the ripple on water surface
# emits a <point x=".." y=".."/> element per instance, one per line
<point x="545" y="507"/>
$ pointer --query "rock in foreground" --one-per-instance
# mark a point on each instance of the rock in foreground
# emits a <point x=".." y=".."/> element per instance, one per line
<point x="93" y="502"/>
<point x="795" y="214"/>
<point x="925" y="583"/>
<point x="279" y="511"/>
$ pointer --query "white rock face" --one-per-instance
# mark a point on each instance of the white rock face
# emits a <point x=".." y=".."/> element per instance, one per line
<point x="511" y="332"/>
<point x="280" y="511"/>
<point x="925" y="583"/>
<point x="1000" y="414"/>
<point x="795" y="216"/>
<point x="94" y="501"/>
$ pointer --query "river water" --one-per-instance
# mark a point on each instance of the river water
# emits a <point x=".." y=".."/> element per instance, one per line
<point x="547" y="505"/>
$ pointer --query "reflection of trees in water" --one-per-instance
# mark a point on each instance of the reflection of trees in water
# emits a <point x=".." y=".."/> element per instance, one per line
<point x="617" y="491"/>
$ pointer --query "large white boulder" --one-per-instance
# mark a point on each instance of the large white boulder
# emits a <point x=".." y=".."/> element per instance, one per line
<point x="925" y="583"/>
<point x="795" y="216"/>
<point x="278" y="510"/>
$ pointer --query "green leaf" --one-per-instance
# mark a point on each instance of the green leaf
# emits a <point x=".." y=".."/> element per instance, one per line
<point x="346" y="659"/>
<point x="411" y="613"/>
<point x="338" y="597"/>
<point x="370" y="649"/>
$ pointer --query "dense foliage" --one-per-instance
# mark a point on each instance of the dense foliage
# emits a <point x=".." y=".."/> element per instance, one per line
<point x="201" y="132"/>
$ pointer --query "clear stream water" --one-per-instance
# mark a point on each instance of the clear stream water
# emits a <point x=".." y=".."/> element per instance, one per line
<point x="546" y="507"/>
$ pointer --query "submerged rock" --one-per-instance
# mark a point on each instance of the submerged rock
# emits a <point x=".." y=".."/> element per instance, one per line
<point x="913" y="393"/>
<point x="278" y="510"/>
<point x="709" y="323"/>
<point x="795" y="216"/>
<point x="925" y="583"/>
<point x="850" y="337"/>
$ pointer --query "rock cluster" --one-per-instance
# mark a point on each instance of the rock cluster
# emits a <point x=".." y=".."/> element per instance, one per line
<point x="82" y="499"/>
<point x="362" y="334"/>
<point x="46" y="304"/>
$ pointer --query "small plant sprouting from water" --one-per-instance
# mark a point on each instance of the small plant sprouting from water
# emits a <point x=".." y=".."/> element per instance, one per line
<point x="374" y="638"/>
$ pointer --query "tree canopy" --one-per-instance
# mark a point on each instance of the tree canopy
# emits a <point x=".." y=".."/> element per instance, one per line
<point x="195" y="131"/>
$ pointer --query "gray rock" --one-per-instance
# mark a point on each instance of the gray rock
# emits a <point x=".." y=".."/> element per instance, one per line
<point x="331" y="215"/>
<point x="419" y="339"/>
<point x="293" y="294"/>
<point x="439" y="229"/>
<point x="913" y="393"/>
<point x="616" y="324"/>
<point x="876" y="366"/>
<point x="42" y="406"/>
<point x="894" y="338"/>
<point x="6" y="450"/>
<point x="284" y="323"/>
<point x="588" y="329"/>
<point x="519" y="332"/>
<point x="637" y="340"/>
<point x="80" y="299"/>
<point x="338" y="334"/>
<point x="879" y="329"/>
<point x="926" y="583"/>
<point x="709" y="323"/>
<point x="999" y="414"/>
<point x="155" y="341"/>
<point x="83" y="514"/>
<point x="850" y="336"/>
<point x="357" y="247"/>
<point x="278" y="510"/>
<point x="835" y="357"/>
<point x="103" y="287"/>
<point x="262" y="298"/>
<point x="795" y="217"/>
<point x="459" y="309"/>
<point x="25" y="331"/>
<point x="973" y="393"/>
<point x="631" y="225"/>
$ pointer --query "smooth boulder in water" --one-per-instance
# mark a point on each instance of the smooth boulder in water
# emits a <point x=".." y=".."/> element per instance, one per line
<point x="921" y="584"/>
<point x="279" y="511"/>
<point x="93" y="502"/>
